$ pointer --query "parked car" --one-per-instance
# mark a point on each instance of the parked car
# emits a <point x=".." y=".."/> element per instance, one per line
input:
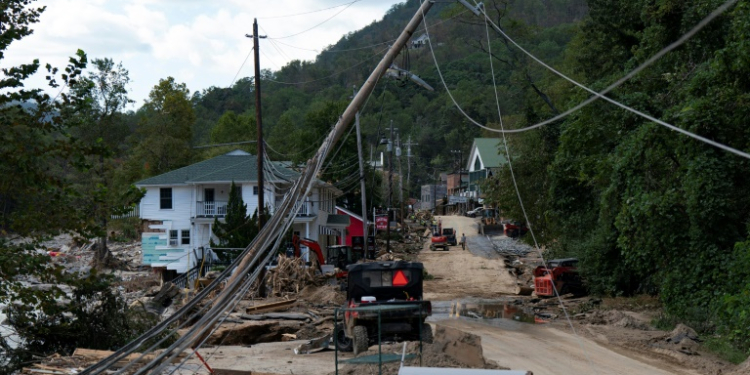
<point x="474" y="212"/>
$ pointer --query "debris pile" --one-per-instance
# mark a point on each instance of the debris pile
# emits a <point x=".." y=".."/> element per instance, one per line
<point x="682" y="339"/>
<point x="83" y="358"/>
<point x="290" y="276"/>
<point x="451" y="348"/>
<point x="157" y="299"/>
<point x="617" y="318"/>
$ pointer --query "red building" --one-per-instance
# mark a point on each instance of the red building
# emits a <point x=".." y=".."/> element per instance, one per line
<point x="355" y="227"/>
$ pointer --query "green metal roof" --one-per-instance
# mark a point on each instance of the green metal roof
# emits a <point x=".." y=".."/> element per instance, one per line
<point x="237" y="166"/>
<point x="489" y="151"/>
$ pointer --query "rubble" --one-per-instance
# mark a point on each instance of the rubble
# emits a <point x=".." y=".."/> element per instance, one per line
<point x="83" y="358"/>
<point x="682" y="339"/>
<point x="252" y="332"/>
<point x="159" y="301"/>
<point x="290" y="276"/>
<point x="277" y="316"/>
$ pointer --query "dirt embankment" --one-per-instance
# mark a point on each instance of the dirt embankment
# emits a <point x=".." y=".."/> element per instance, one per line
<point x="451" y="348"/>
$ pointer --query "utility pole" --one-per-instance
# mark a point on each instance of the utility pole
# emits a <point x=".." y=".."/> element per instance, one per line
<point x="458" y="152"/>
<point x="408" y="166"/>
<point x="400" y="179"/>
<point x="259" y="123"/>
<point x="361" y="183"/>
<point x="390" y="191"/>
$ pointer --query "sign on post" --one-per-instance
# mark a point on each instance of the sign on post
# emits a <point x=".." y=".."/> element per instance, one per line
<point x="381" y="222"/>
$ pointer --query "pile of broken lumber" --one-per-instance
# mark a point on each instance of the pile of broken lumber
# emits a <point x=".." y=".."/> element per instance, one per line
<point x="290" y="276"/>
<point x="81" y="359"/>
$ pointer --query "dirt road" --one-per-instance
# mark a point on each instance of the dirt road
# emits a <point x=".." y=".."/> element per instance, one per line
<point x="543" y="349"/>
<point x="460" y="273"/>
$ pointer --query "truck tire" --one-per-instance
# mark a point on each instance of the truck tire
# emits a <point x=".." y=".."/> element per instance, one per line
<point x="427" y="337"/>
<point x="360" y="340"/>
<point x="342" y="342"/>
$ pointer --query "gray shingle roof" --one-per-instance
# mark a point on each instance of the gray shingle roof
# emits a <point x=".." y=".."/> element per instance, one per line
<point x="338" y="220"/>
<point x="234" y="166"/>
<point x="489" y="150"/>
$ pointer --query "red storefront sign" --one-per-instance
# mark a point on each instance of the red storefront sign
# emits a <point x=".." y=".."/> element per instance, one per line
<point x="381" y="222"/>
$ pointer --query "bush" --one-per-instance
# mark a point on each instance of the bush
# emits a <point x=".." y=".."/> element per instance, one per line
<point x="734" y="307"/>
<point x="96" y="317"/>
<point x="125" y="230"/>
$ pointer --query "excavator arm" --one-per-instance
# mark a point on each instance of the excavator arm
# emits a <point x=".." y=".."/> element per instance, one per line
<point x="311" y="244"/>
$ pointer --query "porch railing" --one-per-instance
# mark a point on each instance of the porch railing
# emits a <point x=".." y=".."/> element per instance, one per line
<point x="304" y="208"/>
<point x="211" y="208"/>
<point x="133" y="211"/>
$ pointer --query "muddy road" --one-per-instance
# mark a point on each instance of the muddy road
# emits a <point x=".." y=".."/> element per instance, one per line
<point x="479" y="274"/>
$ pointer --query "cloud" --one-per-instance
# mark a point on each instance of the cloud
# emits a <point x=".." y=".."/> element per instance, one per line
<point x="198" y="42"/>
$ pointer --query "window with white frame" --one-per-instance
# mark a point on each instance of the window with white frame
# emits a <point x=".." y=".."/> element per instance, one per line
<point x="165" y="198"/>
<point x="173" y="237"/>
<point x="255" y="190"/>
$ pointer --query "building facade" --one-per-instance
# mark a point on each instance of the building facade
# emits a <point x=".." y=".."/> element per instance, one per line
<point x="180" y="206"/>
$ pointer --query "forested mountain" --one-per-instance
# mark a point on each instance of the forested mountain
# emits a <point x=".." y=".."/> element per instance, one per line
<point x="294" y="96"/>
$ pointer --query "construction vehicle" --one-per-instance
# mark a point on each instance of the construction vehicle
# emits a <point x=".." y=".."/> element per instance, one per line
<point x="450" y="236"/>
<point x="338" y="256"/>
<point x="384" y="302"/>
<point x="560" y="277"/>
<point x="490" y="221"/>
<point x="514" y="229"/>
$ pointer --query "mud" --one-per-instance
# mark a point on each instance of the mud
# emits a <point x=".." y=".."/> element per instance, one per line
<point x="451" y="348"/>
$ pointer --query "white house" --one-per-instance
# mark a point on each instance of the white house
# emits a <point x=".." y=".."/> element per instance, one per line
<point x="484" y="159"/>
<point x="180" y="206"/>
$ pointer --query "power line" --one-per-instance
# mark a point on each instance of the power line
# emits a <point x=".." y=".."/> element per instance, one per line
<point x="338" y="50"/>
<point x="329" y="76"/>
<point x="371" y="45"/>
<point x="600" y="95"/>
<point x="520" y="200"/>
<point x="310" y="12"/>
<point x="225" y="144"/>
<point x="326" y="20"/>
<point x="241" y="66"/>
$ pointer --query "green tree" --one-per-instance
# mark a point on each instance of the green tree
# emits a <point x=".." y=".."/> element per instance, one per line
<point x="232" y="127"/>
<point x="238" y="229"/>
<point x="99" y="125"/>
<point x="164" y="135"/>
<point x="41" y="158"/>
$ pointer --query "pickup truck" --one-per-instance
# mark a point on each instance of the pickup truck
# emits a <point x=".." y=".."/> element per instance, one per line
<point x="392" y="290"/>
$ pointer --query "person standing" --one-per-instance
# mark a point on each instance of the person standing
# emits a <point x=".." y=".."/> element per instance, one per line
<point x="463" y="241"/>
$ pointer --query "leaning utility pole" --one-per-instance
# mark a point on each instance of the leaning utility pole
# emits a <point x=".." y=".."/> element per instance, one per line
<point x="259" y="123"/>
<point x="362" y="184"/>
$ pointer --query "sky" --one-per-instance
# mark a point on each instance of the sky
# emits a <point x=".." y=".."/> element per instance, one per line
<point x="199" y="42"/>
